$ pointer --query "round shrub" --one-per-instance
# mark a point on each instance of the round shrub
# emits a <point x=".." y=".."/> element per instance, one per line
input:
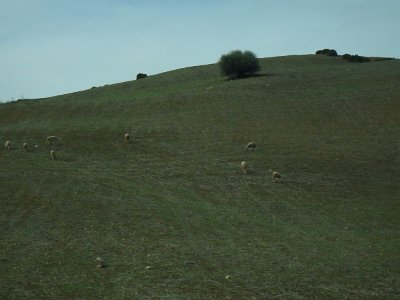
<point x="239" y="64"/>
<point x="323" y="51"/>
<point x="331" y="53"/>
<point x="141" y="75"/>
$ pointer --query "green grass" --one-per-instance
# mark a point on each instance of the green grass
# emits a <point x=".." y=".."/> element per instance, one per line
<point x="171" y="213"/>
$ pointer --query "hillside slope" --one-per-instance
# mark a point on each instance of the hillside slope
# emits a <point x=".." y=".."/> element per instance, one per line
<point x="170" y="211"/>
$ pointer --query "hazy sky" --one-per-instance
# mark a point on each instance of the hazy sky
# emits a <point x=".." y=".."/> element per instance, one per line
<point x="52" y="47"/>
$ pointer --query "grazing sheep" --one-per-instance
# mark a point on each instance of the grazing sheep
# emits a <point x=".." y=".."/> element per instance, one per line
<point x="7" y="145"/>
<point x="51" y="139"/>
<point x="36" y="146"/>
<point x="251" y="145"/>
<point x="25" y="147"/>
<point x="127" y="137"/>
<point x="53" y="154"/>
<point x="100" y="262"/>
<point x="276" y="176"/>
<point x="243" y="167"/>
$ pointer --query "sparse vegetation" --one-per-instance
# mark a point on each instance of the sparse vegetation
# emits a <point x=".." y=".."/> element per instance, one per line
<point x="356" y="58"/>
<point x="351" y="58"/>
<point x="169" y="214"/>
<point x="346" y="56"/>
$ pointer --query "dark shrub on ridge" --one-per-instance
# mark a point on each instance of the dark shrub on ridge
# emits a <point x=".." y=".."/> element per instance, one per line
<point x="331" y="53"/>
<point x="356" y="58"/>
<point x="323" y="51"/>
<point x="239" y="64"/>
<point x="141" y="75"/>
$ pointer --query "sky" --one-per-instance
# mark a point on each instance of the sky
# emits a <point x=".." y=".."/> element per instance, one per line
<point x="53" y="47"/>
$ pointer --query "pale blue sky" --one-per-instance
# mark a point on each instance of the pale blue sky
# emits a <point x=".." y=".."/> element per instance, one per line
<point x="52" y="47"/>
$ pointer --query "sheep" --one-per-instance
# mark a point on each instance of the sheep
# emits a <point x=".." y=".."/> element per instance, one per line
<point x="36" y="146"/>
<point x="25" y="147"/>
<point x="243" y="167"/>
<point x="251" y="145"/>
<point x="7" y="145"/>
<point x="276" y="176"/>
<point x="51" y="139"/>
<point x="53" y="154"/>
<point x="127" y="137"/>
<point x="100" y="262"/>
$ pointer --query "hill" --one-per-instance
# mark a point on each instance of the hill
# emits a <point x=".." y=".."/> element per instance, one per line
<point x="171" y="213"/>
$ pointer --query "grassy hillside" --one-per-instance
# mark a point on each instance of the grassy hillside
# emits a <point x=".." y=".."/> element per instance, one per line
<point x="170" y="211"/>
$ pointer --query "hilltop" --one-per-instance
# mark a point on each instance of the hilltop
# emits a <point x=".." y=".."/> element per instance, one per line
<point x="171" y="213"/>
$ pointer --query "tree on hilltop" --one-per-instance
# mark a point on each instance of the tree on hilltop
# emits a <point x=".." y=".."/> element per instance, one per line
<point x="239" y="64"/>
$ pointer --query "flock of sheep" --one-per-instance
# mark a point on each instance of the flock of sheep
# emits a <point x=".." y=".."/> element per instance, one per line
<point x="49" y="141"/>
<point x="52" y="139"/>
<point x="243" y="165"/>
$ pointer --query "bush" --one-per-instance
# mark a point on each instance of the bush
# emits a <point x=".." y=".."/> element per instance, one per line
<point x="356" y="58"/>
<point x="239" y="64"/>
<point x="324" y="51"/>
<point x="383" y="58"/>
<point x="141" y="75"/>
<point x="331" y="53"/>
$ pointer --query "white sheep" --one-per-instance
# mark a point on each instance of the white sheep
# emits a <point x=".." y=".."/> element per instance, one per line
<point x="243" y="167"/>
<point x="276" y="176"/>
<point x="100" y="262"/>
<point x="7" y="145"/>
<point x="127" y="137"/>
<point x="51" y="139"/>
<point x="251" y="145"/>
<point x="53" y="154"/>
<point x="25" y="147"/>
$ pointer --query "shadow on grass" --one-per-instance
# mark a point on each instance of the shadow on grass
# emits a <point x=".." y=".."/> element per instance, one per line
<point x="252" y="76"/>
